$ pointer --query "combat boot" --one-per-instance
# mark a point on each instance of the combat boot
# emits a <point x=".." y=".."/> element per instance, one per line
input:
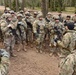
<point x="24" y="48"/>
<point x="12" y="54"/>
<point x="20" y="47"/>
<point x="41" y="51"/>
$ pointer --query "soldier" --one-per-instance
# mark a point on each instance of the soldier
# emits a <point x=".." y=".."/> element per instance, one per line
<point x="56" y="30"/>
<point x="39" y="31"/>
<point x="74" y="18"/>
<point x="29" y="32"/>
<point x="21" y="32"/>
<point x="34" y="16"/>
<point x="60" y="17"/>
<point x="33" y="19"/>
<point x="14" y="17"/>
<point x="68" y="53"/>
<point x="48" y="19"/>
<point x="4" y="62"/>
<point x="7" y="27"/>
<point x="68" y="20"/>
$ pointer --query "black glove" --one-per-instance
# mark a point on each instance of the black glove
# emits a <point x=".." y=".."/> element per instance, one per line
<point x="56" y="40"/>
<point x="55" y="28"/>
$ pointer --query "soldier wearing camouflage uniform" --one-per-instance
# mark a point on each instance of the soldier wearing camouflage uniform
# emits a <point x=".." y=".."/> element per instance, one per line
<point x="74" y="18"/>
<point x="21" y="32"/>
<point x="14" y="17"/>
<point x="68" y="53"/>
<point x="56" y="30"/>
<point x="29" y="32"/>
<point x="48" y="20"/>
<point x="39" y="31"/>
<point x="7" y="27"/>
<point x="67" y="20"/>
<point x="4" y="62"/>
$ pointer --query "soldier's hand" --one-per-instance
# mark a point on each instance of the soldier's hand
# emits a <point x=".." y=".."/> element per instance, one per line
<point x="56" y="40"/>
<point x="9" y="26"/>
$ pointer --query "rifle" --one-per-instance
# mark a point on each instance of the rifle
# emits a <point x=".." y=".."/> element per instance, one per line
<point x="58" y="32"/>
<point x="13" y="31"/>
<point x="29" y="25"/>
<point x="19" y="28"/>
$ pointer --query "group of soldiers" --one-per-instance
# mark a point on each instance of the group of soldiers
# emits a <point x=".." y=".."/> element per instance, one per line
<point x="32" y="29"/>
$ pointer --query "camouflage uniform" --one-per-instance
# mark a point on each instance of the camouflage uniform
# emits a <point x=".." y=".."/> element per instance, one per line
<point x="56" y="30"/>
<point x="29" y="33"/>
<point x="68" y="55"/>
<point x="68" y="20"/>
<point x="14" y="17"/>
<point x="21" y="32"/>
<point x="4" y="62"/>
<point x="48" y="19"/>
<point x="74" y="18"/>
<point x="9" y="40"/>
<point x="39" y="30"/>
<point x="33" y="19"/>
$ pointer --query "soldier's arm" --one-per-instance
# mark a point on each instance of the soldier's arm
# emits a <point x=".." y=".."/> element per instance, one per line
<point x="65" y="41"/>
<point x="34" y="27"/>
<point x="25" y="24"/>
<point x="4" y="28"/>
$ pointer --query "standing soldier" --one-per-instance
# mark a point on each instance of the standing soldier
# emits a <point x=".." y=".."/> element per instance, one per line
<point x="7" y="27"/>
<point x="56" y="30"/>
<point x="29" y="32"/>
<point x="14" y="17"/>
<point x="39" y="31"/>
<point x="68" y="52"/>
<point x="4" y="62"/>
<point x="21" y="32"/>
<point x="33" y="19"/>
<point x="60" y="17"/>
<point x="48" y="19"/>
<point x="74" y="18"/>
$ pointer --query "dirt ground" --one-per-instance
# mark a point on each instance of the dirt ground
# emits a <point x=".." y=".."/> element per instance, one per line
<point x="32" y="63"/>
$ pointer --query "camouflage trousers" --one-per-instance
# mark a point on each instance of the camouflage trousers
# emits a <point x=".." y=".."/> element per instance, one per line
<point x="68" y="65"/>
<point x="29" y="36"/>
<point x="40" y="40"/>
<point x="52" y="38"/>
<point x="47" y="34"/>
<point x="9" y="44"/>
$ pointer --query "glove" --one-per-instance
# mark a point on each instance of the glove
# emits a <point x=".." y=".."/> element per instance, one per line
<point x="56" y="40"/>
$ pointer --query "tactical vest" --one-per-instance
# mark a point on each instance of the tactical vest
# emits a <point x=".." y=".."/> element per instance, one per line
<point x="40" y="27"/>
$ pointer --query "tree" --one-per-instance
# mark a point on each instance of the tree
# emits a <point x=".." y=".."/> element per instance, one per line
<point x="9" y="3"/>
<point x="17" y="8"/>
<point x="23" y="4"/>
<point x="44" y="7"/>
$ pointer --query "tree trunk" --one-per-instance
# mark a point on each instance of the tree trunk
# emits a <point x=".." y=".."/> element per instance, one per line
<point x="5" y="4"/>
<point x="23" y="4"/>
<point x="43" y="7"/>
<point x="10" y="4"/>
<point x="17" y="5"/>
<point x="75" y="5"/>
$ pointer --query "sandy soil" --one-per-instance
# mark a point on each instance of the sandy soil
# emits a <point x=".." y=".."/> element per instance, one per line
<point x="32" y="63"/>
